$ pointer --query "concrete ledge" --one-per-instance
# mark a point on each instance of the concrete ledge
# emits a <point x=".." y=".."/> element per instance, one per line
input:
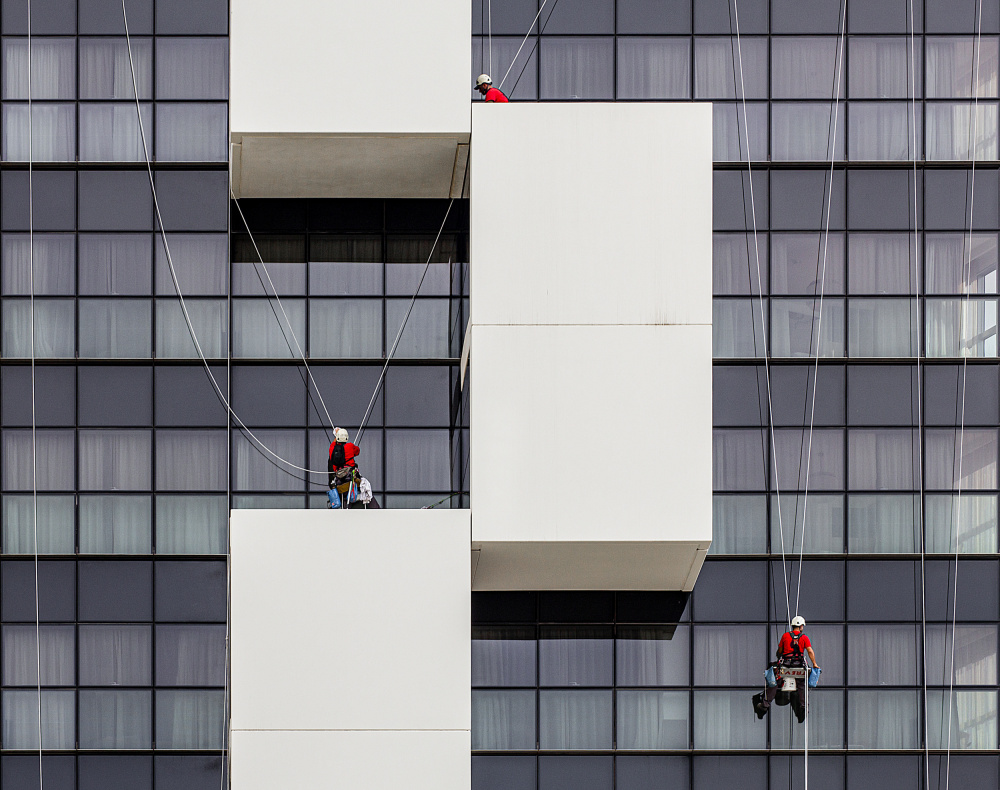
<point x="350" y="165"/>
<point x="561" y="565"/>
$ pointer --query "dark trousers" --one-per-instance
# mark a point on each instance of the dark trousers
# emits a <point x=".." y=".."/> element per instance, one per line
<point x="797" y="700"/>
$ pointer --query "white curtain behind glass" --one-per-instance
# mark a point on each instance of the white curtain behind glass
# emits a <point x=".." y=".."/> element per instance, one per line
<point x="503" y="656"/>
<point x="880" y="68"/>
<point x="53" y="132"/>
<point x="115" y="719"/>
<point x="805" y="132"/>
<point x="105" y="72"/>
<point x="730" y="132"/>
<point x="115" y="264"/>
<point x="209" y="317"/>
<point x="953" y="65"/>
<point x="191" y="132"/>
<point x="418" y="460"/>
<point x="977" y="531"/>
<point x="824" y="533"/>
<point x="20" y="719"/>
<point x="720" y="720"/>
<point x="734" y="263"/>
<point x="717" y="68"/>
<point x="115" y="460"/>
<point x="652" y="655"/>
<point x="979" y="459"/>
<point x="739" y="525"/>
<point x="190" y="655"/>
<point x="654" y="68"/>
<point x="975" y="655"/>
<point x="575" y="657"/>
<point x="575" y="719"/>
<point x="881" y="263"/>
<point x="115" y="655"/>
<point x="883" y="720"/>
<point x="110" y="132"/>
<point x="201" y="261"/>
<point x="21" y="655"/>
<point x="973" y="719"/>
<point x="257" y="333"/>
<point x="192" y="68"/>
<point x="883" y="130"/>
<point x="53" y="68"/>
<point x="738" y="460"/>
<point x="949" y="257"/>
<point x="191" y="524"/>
<point x="114" y="328"/>
<point x="55" y="524"/>
<point x="795" y="322"/>
<point x="53" y="260"/>
<point x="826" y="722"/>
<point x="724" y="655"/>
<point x="804" y="68"/>
<point x="882" y="327"/>
<point x="55" y="460"/>
<point x="883" y="524"/>
<point x="882" y="459"/>
<point x="799" y="259"/>
<point x="189" y="719"/>
<point x="254" y="472"/>
<point x="960" y="327"/>
<point x="577" y="68"/>
<point x="950" y="128"/>
<point x="883" y="655"/>
<point x="426" y="330"/>
<point x="737" y="329"/>
<point x="503" y="720"/>
<point x="652" y="720"/>
<point x="343" y="328"/>
<point x="191" y="460"/>
<point x="55" y="333"/>
<point x="826" y="464"/>
<point x="115" y="525"/>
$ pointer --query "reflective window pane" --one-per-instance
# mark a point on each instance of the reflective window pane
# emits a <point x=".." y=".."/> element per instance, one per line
<point x="739" y="524"/>
<point x="717" y="652"/>
<point x="976" y="519"/>
<point x="883" y="655"/>
<point x="192" y="132"/>
<point x="971" y="714"/>
<point x="115" y="460"/>
<point x="883" y="524"/>
<point x="805" y="68"/>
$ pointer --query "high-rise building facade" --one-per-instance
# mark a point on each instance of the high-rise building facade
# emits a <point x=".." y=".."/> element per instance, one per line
<point x="856" y="250"/>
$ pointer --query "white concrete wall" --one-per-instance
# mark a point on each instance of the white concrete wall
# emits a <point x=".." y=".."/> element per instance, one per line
<point x="591" y="250"/>
<point x="308" y="66"/>
<point x="350" y="643"/>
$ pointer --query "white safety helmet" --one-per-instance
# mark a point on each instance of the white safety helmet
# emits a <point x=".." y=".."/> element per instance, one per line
<point x="798" y="622"/>
<point x="483" y="79"/>
<point x="342" y="436"/>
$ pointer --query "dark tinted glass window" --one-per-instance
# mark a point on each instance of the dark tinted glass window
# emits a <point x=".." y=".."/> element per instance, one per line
<point x="53" y="195"/>
<point x="116" y="591"/>
<point x="747" y="773"/>
<point x="185" y="396"/>
<point x="826" y="772"/>
<point x="961" y="16"/>
<point x="115" y="201"/>
<point x="56" y="591"/>
<point x="579" y="16"/>
<point x="116" y="395"/>
<point x="731" y="592"/>
<point x="881" y="199"/>
<point x="883" y="16"/>
<point x="193" y="200"/>
<point x="47" y="17"/>
<point x="948" y="196"/>
<point x="821" y="594"/>
<point x="269" y="395"/>
<point x="799" y="200"/>
<point x="191" y="591"/>
<point x="193" y="16"/>
<point x="21" y="771"/>
<point x="732" y="396"/>
<point x="977" y="590"/>
<point x="503" y="773"/>
<point x="943" y="395"/>
<point x="731" y="200"/>
<point x="650" y="17"/>
<point x="887" y="772"/>
<point x="883" y="590"/>
<point x="188" y="773"/>
<point x="717" y="16"/>
<point x="417" y="395"/>
<point x="575" y="773"/>
<point x="640" y="773"/>
<point x="55" y="395"/>
<point x="808" y="16"/>
<point x="882" y="395"/>
<point x="347" y="392"/>
<point x="576" y="607"/>
<point x="105" y="17"/>
<point x="965" y="770"/>
<point x="122" y="772"/>
<point x="792" y="394"/>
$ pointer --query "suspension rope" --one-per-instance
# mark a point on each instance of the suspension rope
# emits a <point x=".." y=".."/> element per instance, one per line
<point x="277" y="299"/>
<point x="523" y="42"/>
<point x="489" y="11"/>
<point x="402" y="326"/>
<point x="763" y="323"/>
<point x="832" y="137"/>
<point x="34" y="419"/>
<point x="963" y="317"/>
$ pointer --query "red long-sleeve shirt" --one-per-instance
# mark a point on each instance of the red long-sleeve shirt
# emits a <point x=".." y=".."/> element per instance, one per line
<point x="495" y="94"/>
<point x="351" y="451"/>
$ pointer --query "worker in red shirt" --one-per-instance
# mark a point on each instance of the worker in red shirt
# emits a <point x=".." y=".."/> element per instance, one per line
<point x="790" y="654"/>
<point x="342" y="458"/>
<point x="484" y="84"/>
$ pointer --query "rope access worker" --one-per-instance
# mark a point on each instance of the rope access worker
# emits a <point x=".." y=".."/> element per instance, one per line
<point x="342" y="465"/>
<point x="789" y="654"/>
<point x="484" y="84"/>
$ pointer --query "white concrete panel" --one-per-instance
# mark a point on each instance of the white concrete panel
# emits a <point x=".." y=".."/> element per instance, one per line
<point x="353" y="620"/>
<point x="569" y="565"/>
<point x="355" y="760"/>
<point x="312" y="66"/>
<point x="591" y="213"/>
<point x="574" y="404"/>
